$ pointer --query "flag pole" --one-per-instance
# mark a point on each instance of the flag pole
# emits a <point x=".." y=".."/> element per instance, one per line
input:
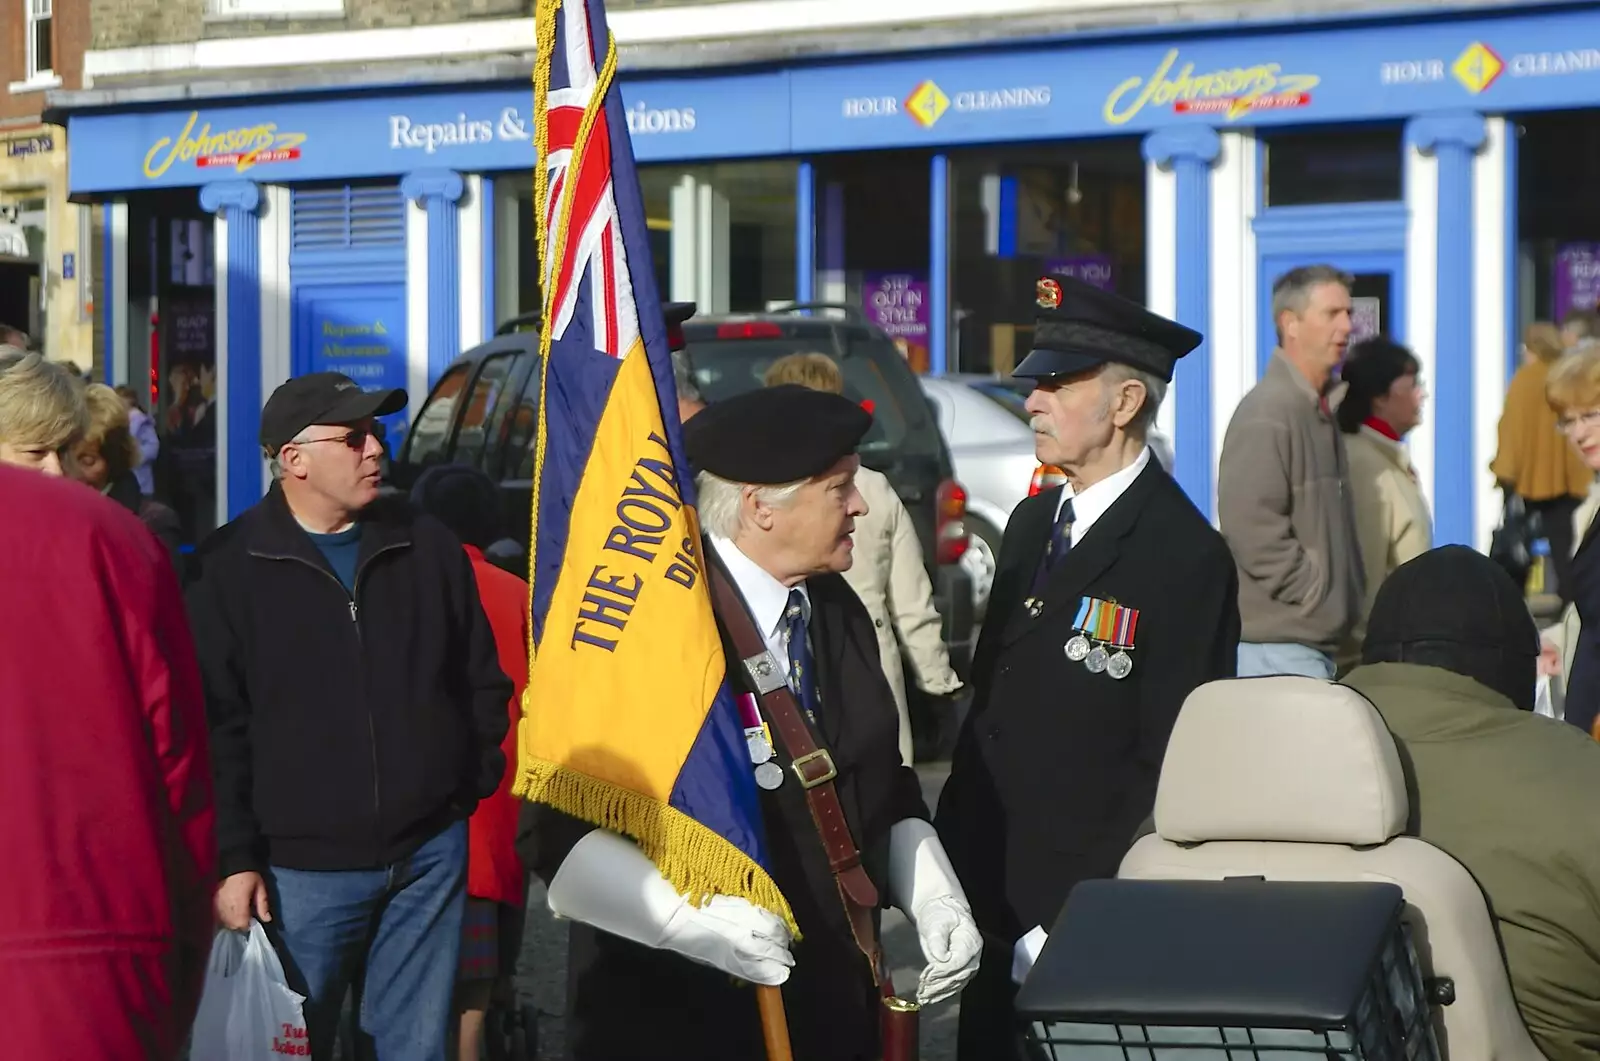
<point x="774" y="1025"/>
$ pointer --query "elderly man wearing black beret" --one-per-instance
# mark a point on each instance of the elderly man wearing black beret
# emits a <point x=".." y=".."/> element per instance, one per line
<point x="776" y="473"/>
<point x="1113" y="599"/>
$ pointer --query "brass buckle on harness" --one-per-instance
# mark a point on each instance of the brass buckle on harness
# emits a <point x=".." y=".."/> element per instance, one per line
<point x="800" y="764"/>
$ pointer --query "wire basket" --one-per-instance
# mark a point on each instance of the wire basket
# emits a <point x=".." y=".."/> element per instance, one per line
<point x="1205" y="1006"/>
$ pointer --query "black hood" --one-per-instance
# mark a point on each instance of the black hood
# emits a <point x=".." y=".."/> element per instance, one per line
<point x="1456" y="609"/>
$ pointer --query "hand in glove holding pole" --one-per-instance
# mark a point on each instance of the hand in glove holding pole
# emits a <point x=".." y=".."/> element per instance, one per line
<point x="607" y="882"/>
<point x="925" y="888"/>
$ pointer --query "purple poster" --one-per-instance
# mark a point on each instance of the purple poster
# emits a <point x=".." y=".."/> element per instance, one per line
<point x="1090" y="268"/>
<point x="1366" y="315"/>
<point x="898" y="303"/>
<point x="1577" y="278"/>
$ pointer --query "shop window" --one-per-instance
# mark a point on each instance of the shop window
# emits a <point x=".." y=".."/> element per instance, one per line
<point x="1319" y="166"/>
<point x="40" y="40"/>
<point x="872" y="243"/>
<point x="1020" y="212"/>
<point x="1558" y="213"/>
<point x="431" y="433"/>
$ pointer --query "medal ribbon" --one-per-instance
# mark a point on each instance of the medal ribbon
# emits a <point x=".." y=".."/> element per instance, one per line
<point x="1105" y="619"/>
<point x="1127" y="622"/>
<point x="1080" y="623"/>
<point x="749" y="717"/>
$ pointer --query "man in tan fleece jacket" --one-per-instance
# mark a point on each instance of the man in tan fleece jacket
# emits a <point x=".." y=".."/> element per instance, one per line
<point x="1283" y="488"/>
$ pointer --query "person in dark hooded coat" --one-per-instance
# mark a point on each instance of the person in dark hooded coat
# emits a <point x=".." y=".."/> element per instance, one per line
<point x="1449" y="661"/>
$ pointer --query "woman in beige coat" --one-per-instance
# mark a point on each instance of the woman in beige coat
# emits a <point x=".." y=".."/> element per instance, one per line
<point x="888" y="574"/>
<point x="1382" y="403"/>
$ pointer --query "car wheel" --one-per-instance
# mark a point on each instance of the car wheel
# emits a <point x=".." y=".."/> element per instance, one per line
<point x="980" y="560"/>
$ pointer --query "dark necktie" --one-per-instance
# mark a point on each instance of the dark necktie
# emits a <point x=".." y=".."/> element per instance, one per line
<point x="802" y="676"/>
<point x="1060" y="536"/>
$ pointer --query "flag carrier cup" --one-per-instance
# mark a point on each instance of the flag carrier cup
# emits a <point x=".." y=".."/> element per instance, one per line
<point x="1232" y="970"/>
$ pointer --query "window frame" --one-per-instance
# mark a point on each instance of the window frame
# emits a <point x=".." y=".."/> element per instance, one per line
<point x="32" y="16"/>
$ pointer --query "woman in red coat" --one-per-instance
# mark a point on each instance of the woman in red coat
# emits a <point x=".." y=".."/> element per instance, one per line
<point x="468" y="502"/>
<point x="106" y="821"/>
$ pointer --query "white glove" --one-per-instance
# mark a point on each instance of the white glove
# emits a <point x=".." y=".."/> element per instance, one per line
<point x="1026" y="952"/>
<point x="607" y="882"/>
<point x="924" y="886"/>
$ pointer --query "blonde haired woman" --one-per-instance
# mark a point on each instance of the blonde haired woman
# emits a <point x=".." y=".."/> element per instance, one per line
<point x="1533" y="462"/>
<point x="105" y="459"/>
<point x="1573" y="390"/>
<point x="42" y="412"/>
<point x="888" y="574"/>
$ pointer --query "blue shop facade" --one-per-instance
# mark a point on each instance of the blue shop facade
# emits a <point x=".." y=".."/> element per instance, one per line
<point x="1441" y="160"/>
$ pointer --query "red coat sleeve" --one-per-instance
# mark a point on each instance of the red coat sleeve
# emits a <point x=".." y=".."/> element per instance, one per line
<point x="169" y="681"/>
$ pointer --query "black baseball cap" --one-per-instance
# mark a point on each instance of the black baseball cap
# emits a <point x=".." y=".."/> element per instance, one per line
<point x="321" y="398"/>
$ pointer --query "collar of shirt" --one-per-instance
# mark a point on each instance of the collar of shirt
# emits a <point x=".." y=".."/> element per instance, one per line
<point x="1093" y="502"/>
<point x="767" y="598"/>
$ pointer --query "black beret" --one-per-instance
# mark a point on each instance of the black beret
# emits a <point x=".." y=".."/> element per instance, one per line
<point x="774" y="435"/>
<point x="1080" y="326"/>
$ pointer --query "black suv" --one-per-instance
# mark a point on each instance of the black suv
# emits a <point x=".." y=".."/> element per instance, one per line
<point x="482" y="412"/>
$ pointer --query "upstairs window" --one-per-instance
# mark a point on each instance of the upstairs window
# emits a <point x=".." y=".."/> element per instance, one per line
<point x="41" y="55"/>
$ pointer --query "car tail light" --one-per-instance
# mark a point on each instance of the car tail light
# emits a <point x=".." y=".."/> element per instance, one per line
<point x="950" y="534"/>
<point x="1046" y="477"/>
<point x="675" y="340"/>
<point x="749" y="330"/>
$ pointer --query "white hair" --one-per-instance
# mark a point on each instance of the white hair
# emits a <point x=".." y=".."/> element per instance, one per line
<point x="274" y="467"/>
<point x="1155" y="391"/>
<point x="721" y="501"/>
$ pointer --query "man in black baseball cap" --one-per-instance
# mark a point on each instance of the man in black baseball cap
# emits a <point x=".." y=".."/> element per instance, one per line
<point x="356" y="708"/>
<point x="1114" y="599"/>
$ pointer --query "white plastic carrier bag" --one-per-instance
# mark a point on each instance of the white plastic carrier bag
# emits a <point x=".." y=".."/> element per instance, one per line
<point x="247" y="1011"/>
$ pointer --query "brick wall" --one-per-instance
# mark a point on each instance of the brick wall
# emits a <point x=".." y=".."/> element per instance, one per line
<point x="70" y="28"/>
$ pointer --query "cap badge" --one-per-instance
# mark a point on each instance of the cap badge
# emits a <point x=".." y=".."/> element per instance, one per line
<point x="1048" y="293"/>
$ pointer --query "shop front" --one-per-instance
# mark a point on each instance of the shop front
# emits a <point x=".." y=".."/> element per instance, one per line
<point x="383" y="232"/>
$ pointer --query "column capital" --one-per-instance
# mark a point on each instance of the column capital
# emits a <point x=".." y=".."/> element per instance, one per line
<point x="422" y="184"/>
<point x="231" y="195"/>
<point x="1199" y="143"/>
<point x="1463" y="128"/>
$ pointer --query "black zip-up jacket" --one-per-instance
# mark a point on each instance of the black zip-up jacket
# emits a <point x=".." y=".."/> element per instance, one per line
<point x="346" y="729"/>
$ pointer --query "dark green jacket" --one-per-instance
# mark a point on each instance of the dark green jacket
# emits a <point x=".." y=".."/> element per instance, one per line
<point x="1515" y="798"/>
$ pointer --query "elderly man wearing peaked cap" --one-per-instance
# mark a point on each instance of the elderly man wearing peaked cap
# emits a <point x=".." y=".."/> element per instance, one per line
<point x="1113" y="599"/>
<point x="356" y="708"/>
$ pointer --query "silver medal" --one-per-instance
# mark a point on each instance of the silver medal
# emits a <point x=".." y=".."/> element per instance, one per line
<point x="1120" y="665"/>
<point x="769" y="775"/>
<point x="1077" y="648"/>
<point x="760" y="750"/>
<point x="1097" y="659"/>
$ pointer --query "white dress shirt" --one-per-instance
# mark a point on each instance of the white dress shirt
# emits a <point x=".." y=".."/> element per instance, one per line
<point x="1093" y="502"/>
<point x="767" y="598"/>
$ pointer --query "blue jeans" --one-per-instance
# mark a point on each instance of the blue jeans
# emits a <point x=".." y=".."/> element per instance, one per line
<point x="1260" y="659"/>
<point x="393" y="933"/>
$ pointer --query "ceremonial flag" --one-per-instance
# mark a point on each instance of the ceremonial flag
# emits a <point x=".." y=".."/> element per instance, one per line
<point x="627" y="720"/>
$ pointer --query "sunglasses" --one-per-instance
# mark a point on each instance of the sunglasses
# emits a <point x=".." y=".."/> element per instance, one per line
<point x="355" y="438"/>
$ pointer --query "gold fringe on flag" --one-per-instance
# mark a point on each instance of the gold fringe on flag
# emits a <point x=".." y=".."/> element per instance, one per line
<point x="699" y="862"/>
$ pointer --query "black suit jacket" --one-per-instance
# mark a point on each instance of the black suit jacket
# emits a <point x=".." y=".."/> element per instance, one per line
<point x="625" y="1001"/>
<point x="1056" y="767"/>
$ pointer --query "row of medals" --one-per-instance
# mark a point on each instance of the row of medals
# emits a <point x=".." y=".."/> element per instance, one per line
<point x="1096" y="659"/>
<point x="769" y="775"/>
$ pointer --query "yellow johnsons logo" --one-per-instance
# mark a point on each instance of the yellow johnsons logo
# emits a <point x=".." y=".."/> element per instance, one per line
<point x="1231" y="92"/>
<point x="239" y="148"/>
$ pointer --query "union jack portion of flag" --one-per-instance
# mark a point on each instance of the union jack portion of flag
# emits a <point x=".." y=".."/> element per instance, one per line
<point x="592" y="256"/>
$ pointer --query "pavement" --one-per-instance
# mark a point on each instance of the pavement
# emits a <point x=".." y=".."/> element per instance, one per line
<point x="542" y="968"/>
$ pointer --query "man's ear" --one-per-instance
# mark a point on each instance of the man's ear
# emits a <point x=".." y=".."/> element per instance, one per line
<point x="1131" y="397"/>
<point x="759" y="511"/>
